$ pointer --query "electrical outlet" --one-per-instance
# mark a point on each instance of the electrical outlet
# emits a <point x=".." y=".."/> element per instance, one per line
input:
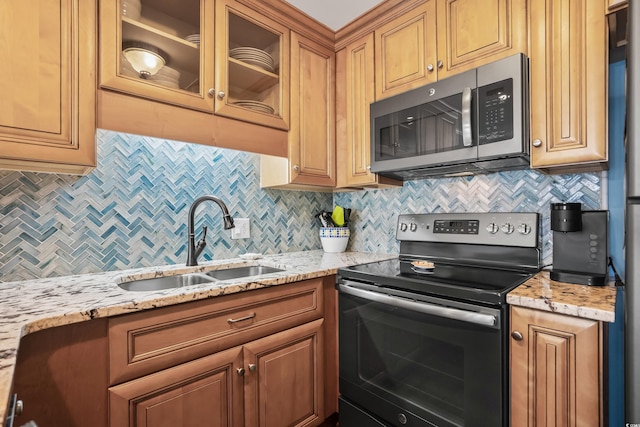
<point x="242" y="229"/>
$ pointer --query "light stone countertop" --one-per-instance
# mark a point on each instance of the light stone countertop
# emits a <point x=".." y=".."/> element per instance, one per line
<point x="589" y="302"/>
<point x="33" y="305"/>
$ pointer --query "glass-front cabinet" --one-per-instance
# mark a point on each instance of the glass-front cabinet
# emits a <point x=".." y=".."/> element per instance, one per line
<point x="158" y="49"/>
<point x="210" y="56"/>
<point x="252" y="65"/>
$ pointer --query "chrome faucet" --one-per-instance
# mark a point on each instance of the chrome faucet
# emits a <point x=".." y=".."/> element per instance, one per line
<point x="193" y="250"/>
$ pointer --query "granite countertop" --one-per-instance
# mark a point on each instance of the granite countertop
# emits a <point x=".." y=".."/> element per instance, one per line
<point x="589" y="302"/>
<point x="33" y="305"/>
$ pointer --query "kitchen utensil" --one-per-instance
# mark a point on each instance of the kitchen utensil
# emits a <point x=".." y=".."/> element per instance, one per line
<point x="338" y="216"/>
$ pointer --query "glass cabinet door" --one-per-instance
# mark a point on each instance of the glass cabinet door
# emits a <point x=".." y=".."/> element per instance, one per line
<point x="159" y="49"/>
<point x="252" y="65"/>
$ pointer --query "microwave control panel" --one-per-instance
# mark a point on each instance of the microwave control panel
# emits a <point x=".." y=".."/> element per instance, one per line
<point x="495" y="112"/>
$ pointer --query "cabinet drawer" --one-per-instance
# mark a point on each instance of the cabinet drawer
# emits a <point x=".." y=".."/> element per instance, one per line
<point x="149" y="341"/>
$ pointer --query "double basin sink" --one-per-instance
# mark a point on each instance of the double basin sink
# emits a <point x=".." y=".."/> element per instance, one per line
<point x="170" y="282"/>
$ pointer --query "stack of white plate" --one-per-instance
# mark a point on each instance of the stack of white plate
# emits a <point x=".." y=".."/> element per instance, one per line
<point x="253" y="56"/>
<point x="131" y="9"/>
<point x="255" y="105"/>
<point x="193" y="38"/>
<point x="166" y="76"/>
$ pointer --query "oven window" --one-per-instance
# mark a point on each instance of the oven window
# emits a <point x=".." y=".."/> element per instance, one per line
<point x="446" y="371"/>
<point x="430" y="128"/>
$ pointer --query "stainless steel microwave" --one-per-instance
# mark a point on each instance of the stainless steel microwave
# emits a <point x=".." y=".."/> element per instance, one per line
<point x="473" y="122"/>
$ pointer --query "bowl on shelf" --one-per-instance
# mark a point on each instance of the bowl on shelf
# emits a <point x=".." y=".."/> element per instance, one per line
<point x="334" y="239"/>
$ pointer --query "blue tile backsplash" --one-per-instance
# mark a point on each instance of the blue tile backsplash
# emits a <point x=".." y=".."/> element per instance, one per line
<point x="131" y="211"/>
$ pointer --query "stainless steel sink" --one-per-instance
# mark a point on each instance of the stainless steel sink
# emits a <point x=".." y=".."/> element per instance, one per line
<point x="170" y="282"/>
<point x="238" y="272"/>
<point x="167" y="282"/>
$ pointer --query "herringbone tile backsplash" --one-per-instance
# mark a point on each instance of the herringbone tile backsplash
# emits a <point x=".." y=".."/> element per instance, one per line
<point x="132" y="210"/>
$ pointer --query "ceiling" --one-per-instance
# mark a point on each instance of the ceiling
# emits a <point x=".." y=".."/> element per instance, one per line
<point x="335" y="14"/>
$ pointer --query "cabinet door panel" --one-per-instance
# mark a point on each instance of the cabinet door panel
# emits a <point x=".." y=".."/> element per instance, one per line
<point x="47" y="82"/>
<point x="285" y="388"/>
<point x="555" y="370"/>
<point x="568" y="64"/>
<point x="472" y="32"/>
<point x="207" y="391"/>
<point x="312" y="134"/>
<point x="405" y="51"/>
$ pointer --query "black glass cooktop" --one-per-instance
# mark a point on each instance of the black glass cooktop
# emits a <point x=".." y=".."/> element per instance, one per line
<point x="460" y="282"/>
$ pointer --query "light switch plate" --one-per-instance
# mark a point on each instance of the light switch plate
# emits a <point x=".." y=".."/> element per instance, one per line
<point x="242" y="229"/>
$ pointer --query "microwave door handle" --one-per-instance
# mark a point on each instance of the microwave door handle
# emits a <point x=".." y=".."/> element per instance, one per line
<point x="467" y="137"/>
<point x="421" y="307"/>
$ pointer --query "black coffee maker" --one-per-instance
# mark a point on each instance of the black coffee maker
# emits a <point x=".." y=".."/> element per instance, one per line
<point x="580" y="244"/>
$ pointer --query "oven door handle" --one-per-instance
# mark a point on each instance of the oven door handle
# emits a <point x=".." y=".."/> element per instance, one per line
<point x="421" y="307"/>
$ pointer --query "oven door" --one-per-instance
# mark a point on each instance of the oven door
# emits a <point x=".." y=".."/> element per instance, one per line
<point x="410" y="360"/>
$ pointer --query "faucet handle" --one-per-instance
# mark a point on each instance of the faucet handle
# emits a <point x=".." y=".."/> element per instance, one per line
<point x="204" y="233"/>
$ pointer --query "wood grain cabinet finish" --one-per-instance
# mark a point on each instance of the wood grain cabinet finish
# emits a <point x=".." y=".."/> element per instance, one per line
<point x="476" y="32"/>
<point x="355" y="91"/>
<point x="48" y="80"/>
<point x="207" y="391"/>
<point x="568" y="62"/>
<point x="284" y="378"/>
<point x="556" y="367"/>
<point x="311" y="163"/>
<point x="149" y="341"/>
<point x="405" y="51"/>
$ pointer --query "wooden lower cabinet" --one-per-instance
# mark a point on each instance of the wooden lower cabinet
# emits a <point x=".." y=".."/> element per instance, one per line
<point x="556" y="370"/>
<point x="207" y="391"/>
<point x="270" y="382"/>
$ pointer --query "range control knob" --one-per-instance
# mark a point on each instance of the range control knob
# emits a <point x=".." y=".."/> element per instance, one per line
<point x="493" y="228"/>
<point x="413" y="226"/>
<point x="524" y="229"/>
<point x="403" y="226"/>
<point x="507" y="228"/>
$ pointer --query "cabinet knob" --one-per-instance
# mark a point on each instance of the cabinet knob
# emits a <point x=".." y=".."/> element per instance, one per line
<point x="221" y="94"/>
<point x="537" y="143"/>
<point x="296" y="168"/>
<point x="252" y="367"/>
<point x="440" y="63"/>
<point x="211" y="92"/>
<point x="516" y="336"/>
<point x="430" y="67"/>
<point x="240" y="371"/>
<point x="19" y="409"/>
<point x="368" y="167"/>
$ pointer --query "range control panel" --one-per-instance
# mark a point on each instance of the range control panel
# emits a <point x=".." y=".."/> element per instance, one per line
<point x="493" y="228"/>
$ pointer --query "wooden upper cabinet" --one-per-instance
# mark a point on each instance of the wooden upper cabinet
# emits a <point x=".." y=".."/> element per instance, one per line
<point x="312" y="149"/>
<point x="568" y="62"/>
<point x="252" y="66"/>
<point x="555" y="370"/>
<point x="476" y="32"/>
<point x="48" y="81"/>
<point x="405" y="51"/>
<point x="180" y="33"/>
<point x="355" y="91"/>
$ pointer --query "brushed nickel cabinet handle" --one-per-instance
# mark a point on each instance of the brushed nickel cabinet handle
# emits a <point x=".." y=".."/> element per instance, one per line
<point x="440" y="63"/>
<point x="221" y="94"/>
<point x="296" y="168"/>
<point x="252" y="367"/>
<point x="536" y="143"/>
<point x="240" y="319"/>
<point x="430" y="67"/>
<point x="517" y="336"/>
<point x="211" y="92"/>
<point x="240" y="371"/>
